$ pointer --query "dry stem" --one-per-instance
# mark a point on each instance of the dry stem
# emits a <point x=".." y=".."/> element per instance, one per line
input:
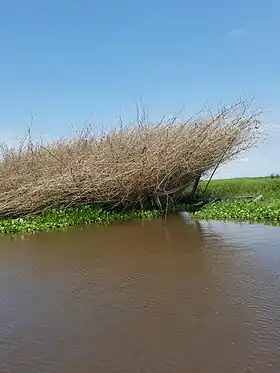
<point x="133" y="165"/>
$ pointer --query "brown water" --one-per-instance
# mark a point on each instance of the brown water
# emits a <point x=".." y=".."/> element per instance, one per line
<point x="142" y="297"/>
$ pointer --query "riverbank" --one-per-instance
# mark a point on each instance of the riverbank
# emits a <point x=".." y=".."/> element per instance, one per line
<point x="266" y="210"/>
<point x="61" y="219"/>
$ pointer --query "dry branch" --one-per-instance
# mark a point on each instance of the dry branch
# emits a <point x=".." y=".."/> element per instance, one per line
<point x="131" y="166"/>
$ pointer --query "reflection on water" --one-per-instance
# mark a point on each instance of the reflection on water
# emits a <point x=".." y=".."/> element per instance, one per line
<point x="142" y="297"/>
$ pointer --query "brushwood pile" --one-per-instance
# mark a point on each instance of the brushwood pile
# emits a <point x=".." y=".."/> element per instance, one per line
<point x="137" y="165"/>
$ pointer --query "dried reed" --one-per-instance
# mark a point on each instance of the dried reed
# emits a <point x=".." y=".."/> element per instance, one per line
<point x="134" y="165"/>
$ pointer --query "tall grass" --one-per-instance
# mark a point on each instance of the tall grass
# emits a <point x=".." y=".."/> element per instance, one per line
<point x="135" y="165"/>
<point x="267" y="186"/>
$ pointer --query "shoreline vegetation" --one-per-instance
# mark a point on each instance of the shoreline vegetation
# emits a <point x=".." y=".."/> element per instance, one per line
<point x="137" y="171"/>
<point x="224" y="200"/>
<point x="251" y="200"/>
<point x="61" y="219"/>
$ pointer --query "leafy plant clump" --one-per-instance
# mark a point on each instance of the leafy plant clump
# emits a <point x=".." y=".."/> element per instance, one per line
<point x="266" y="210"/>
<point x="60" y="219"/>
<point x="242" y="211"/>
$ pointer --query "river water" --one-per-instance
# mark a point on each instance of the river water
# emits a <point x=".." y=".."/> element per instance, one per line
<point x="158" y="297"/>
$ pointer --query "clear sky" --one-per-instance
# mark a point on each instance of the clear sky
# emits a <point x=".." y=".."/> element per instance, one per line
<point x="74" y="62"/>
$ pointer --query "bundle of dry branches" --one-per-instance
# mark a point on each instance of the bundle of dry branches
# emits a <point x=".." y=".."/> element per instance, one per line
<point x="132" y="165"/>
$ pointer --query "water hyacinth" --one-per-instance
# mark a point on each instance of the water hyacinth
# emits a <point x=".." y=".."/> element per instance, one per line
<point x="265" y="211"/>
<point x="60" y="219"/>
<point x="241" y="211"/>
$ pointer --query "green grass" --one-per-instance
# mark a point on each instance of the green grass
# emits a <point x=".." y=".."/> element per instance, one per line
<point x="60" y="219"/>
<point x="268" y="186"/>
<point x="265" y="211"/>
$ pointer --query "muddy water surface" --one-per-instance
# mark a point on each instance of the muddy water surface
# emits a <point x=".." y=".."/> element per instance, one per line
<point x="142" y="297"/>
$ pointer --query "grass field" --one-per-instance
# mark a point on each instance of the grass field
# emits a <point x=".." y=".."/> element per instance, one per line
<point x="265" y="211"/>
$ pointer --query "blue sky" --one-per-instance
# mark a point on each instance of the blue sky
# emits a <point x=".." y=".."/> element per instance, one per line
<point x="74" y="62"/>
